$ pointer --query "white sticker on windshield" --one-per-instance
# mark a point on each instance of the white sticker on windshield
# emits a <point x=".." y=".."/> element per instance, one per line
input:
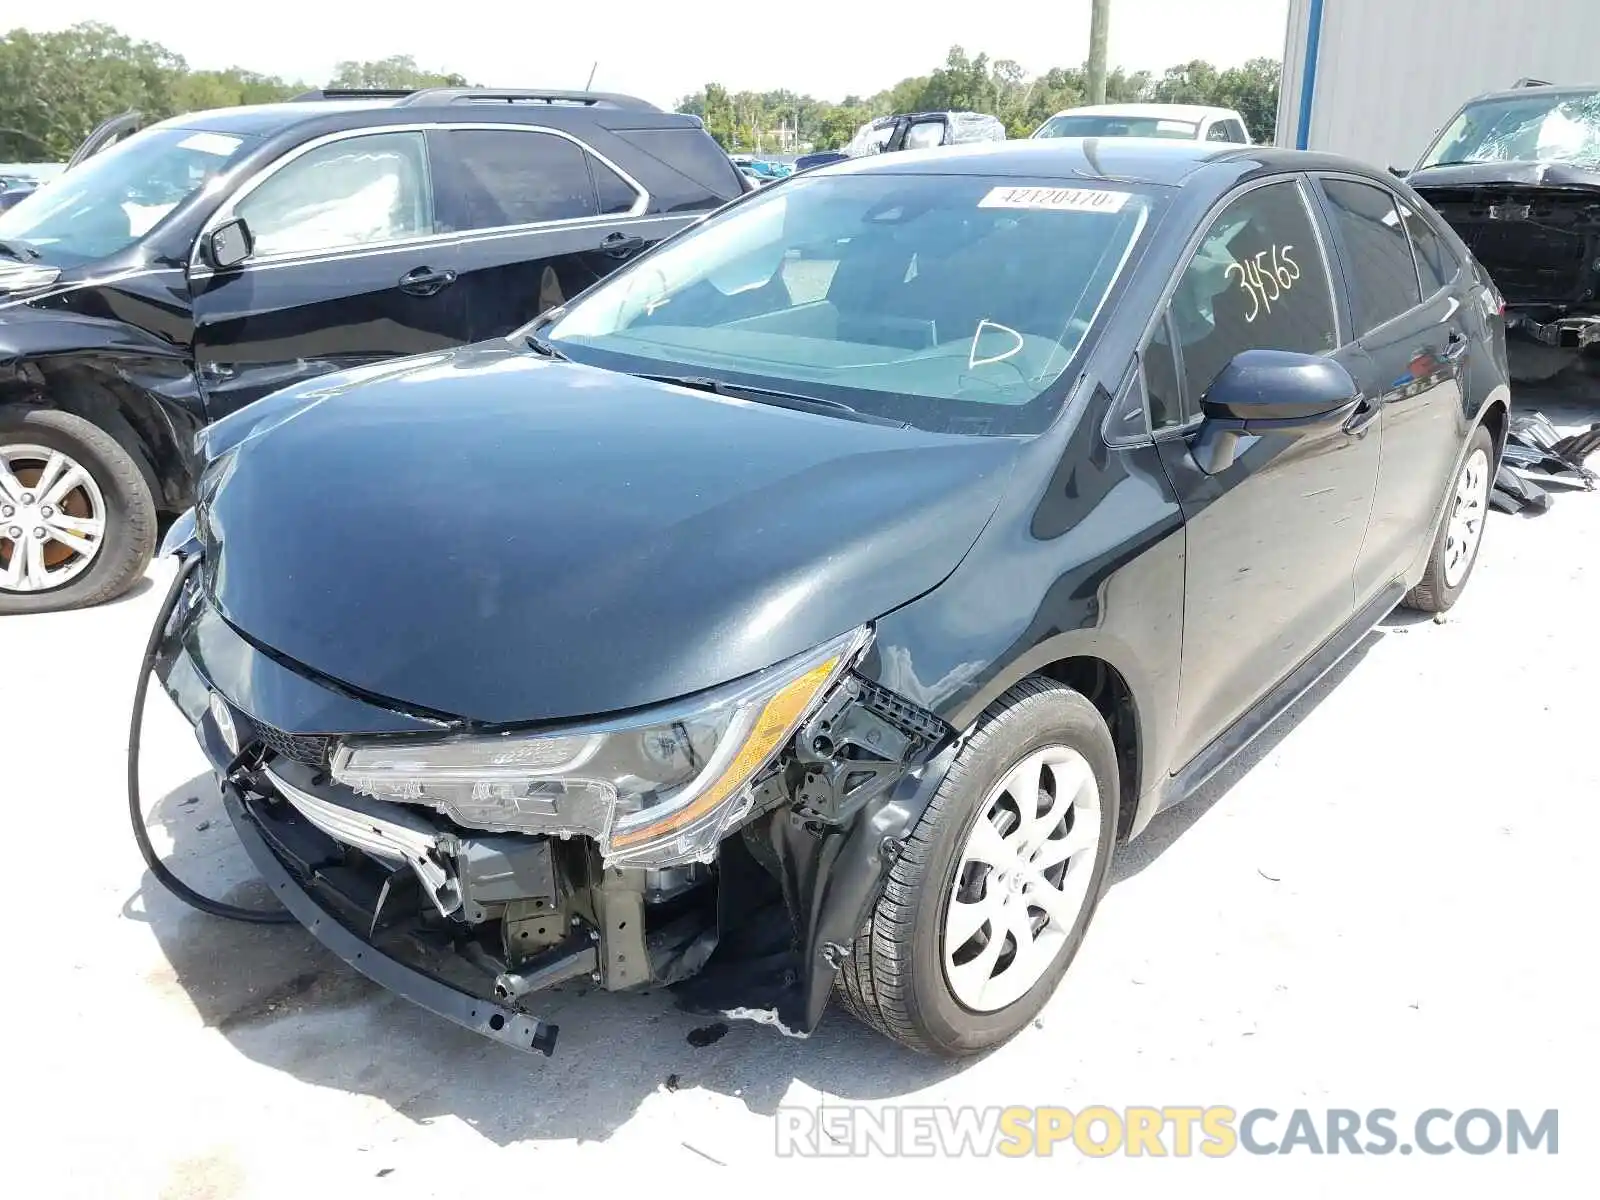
<point x="1060" y="199"/>
<point x="219" y="144"/>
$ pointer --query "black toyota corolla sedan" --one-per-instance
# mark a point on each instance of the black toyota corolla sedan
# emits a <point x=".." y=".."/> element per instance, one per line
<point x="812" y="607"/>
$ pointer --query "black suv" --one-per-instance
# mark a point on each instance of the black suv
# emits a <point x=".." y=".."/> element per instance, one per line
<point x="213" y="258"/>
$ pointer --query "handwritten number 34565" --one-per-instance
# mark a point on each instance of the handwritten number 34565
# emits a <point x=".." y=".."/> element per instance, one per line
<point x="1265" y="278"/>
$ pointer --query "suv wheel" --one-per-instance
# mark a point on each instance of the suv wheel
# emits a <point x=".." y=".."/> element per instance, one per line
<point x="1455" y="550"/>
<point x="985" y="910"/>
<point x="77" y="522"/>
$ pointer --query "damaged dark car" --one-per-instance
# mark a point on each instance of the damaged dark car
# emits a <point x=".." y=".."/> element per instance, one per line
<point x="1517" y="174"/>
<point x="810" y="608"/>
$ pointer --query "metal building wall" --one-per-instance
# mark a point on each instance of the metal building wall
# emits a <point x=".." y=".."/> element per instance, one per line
<point x="1388" y="73"/>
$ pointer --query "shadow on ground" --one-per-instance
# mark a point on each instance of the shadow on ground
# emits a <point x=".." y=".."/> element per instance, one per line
<point x="285" y="1002"/>
<point x="1169" y="826"/>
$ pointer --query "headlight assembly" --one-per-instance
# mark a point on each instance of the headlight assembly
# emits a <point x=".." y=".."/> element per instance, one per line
<point x="653" y="790"/>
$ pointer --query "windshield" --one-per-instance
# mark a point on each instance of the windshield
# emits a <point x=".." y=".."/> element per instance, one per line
<point x="1563" y="127"/>
<point x="111" y="200"/>
<point x="950" y="302"/>
<point x="1108" y="126"/>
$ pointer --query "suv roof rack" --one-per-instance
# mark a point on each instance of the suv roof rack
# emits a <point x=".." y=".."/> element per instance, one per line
<point x="481" y="95"/>
<point x="1526" y="81"/>
<point x="477" y="95"/>
<point x="353" y="94"/>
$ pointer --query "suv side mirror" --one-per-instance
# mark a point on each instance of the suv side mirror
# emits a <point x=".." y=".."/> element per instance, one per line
<point x="1399" y="172"/>
<point x="229" y="244"/>
<point x="1270" y="391"/>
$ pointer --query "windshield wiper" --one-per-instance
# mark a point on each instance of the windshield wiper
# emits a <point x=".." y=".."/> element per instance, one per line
<point x="20" y="251"/>
<point x="544" y="349"/>
<point x="792" y="400"/>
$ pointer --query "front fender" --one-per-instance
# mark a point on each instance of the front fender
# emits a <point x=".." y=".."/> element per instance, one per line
<point x="136" y="386"/>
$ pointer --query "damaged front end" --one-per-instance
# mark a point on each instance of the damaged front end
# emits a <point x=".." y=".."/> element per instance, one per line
<point x="728" y="846"/>
<point x="1535" y="227"/>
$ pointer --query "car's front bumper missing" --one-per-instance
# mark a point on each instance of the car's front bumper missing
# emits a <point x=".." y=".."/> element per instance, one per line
<point x="470" y="924"/>
<point x="491" y="1019"/>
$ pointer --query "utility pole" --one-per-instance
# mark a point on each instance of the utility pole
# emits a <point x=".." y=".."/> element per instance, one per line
<point x="1099" y="22"/>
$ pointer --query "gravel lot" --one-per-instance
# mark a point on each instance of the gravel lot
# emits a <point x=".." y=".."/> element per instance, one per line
<point x="1387" y="905"/>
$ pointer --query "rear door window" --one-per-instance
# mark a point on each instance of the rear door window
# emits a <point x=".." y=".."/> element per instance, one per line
<point x="1377" y="253"/>
<point x="1257" y="281"/>
<point x="1436" y="262"/>
<point x="617" y="195"/>
<point x="509" y="177"/>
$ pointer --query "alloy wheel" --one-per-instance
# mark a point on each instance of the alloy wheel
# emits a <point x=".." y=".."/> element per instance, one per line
<point x="1022" y="878"/>
<point x="1465" y="528"/>
<point x="52" y="518"/>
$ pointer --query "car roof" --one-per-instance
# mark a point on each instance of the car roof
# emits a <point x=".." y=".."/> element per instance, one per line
<point x="1172" y="112"/>
<point x="445" y="104"/>
<point x="266" y="119"/>
<point x="1543" y="89"/>
<point x="1155" y="162"/>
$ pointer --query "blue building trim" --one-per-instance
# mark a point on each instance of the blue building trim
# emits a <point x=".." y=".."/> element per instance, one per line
<point x="1308" y="73"/>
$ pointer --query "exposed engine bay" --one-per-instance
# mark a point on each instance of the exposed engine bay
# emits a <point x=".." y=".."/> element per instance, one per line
<point x="1541" y="245"/>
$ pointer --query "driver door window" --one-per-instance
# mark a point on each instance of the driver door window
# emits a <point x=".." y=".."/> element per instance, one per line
<point x="1257" y="281"/>
<point x="351" y="192"/>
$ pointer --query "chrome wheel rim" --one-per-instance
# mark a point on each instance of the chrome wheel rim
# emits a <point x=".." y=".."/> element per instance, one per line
<point x="1465" y="528"/>
<point x="52" y="518"/>
<point x="1022" y="879"/>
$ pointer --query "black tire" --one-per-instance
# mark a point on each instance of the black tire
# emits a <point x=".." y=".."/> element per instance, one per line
<point x="130" y="512"/>
<point x="1432" y="594"/>
<point x="893" y="980"/>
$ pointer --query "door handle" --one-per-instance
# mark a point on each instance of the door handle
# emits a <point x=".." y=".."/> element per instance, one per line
<point x="1358" y="422"/>
<point x="620" y="245"/>
<point x="425" y="281"/>
<point x="1455" y="346"/>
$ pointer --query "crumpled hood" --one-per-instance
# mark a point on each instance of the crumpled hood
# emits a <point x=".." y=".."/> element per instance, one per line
<point x="1517" y="174"/>
<point x="504" y="539"/>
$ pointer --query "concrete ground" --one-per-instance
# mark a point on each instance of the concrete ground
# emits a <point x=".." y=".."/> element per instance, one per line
<point x="1389" y="904"/>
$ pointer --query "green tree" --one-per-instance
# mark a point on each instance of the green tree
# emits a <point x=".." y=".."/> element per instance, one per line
<point x="56" y="87"/>
<point x="838" y="125"/>
<point x="396" y="71"/>
<point x="1252" y="90"/>
<point x="753" y="120"/>
<point x="1188" y="83"/>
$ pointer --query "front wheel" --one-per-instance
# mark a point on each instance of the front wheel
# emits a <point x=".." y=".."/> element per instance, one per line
<point x="986" y="908"/>
<point x="1455" y="549"/>
<point x="77" y="521"/>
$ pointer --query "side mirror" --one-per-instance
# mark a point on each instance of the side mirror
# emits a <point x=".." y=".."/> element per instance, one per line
<point x="229" y="244"/>
<point x="1270" y="391"/>
<point x="1399" y="172"/>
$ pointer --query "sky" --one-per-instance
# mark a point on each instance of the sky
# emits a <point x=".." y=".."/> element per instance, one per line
<point x="827" y="48"/>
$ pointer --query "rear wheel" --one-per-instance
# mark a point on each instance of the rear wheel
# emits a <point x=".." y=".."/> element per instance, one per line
<point x="1455" y="550"/>
<point x="986" y="908"/>
<point x="77" y="521"/>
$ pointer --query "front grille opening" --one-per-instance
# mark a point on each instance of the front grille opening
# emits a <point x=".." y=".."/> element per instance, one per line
<point x="310" y="750"/>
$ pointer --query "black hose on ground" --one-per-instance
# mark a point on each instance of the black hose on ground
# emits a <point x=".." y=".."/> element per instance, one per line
<point x="141" y="835"/>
